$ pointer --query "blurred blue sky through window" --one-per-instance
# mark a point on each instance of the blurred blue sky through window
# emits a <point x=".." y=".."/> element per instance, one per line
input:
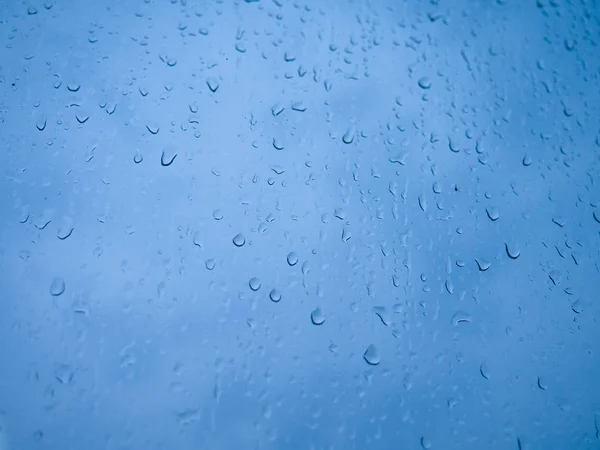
<point x="300" y="225"/>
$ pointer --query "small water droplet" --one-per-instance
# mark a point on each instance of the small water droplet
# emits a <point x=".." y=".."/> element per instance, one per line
<point x="167" y="157"/>
<point x="278" y="144"/>
<point x="138" y="158"/>
<point x="254" y="284"/>
<point x="492" y="213"/>
<point x="437" y="188"/>
<point x="449" y="287"/>
<point x="57" y="287"/>
<point x="210" y="264"/>
<point x="317" y="317"/>
<point x="346" y="235"/>
<point x="217" y="214"/>
<point x="152" y="128"/>
<point x="425" y="443"/>
<point x="73" y="87"/>
<point x="596" y="215"/>
<point x="560" y="221"/>
<point x="527" y="160"/>
<point x="541" y="384"/>
<point x="371" y="355"/>
<point x="460" y="317"/>
<point x="239" y="240"/>
<point x="32" y="10"/>
<point x="483" y="264"/>
<point x="64" y="232"/>
<point x="196" y="239"/>
<point x="298" y="106"/>
<point x="275" y="295"/>
<point x="64" y="373"/>
<point x="41" y="124"/>
<point x="292" y="258"/>
<point x="277" y="109"/>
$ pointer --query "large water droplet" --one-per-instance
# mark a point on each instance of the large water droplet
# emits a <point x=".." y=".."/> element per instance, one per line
<point x="254" y="284"/>
<point x="292" y="258"/>
<point x="317" y="317"/>
<point x="512" y="250"/>
<point x="167" y="157"/>
<point x="275" y="295"/>
<point x="492" y="213"/>
<point x="371" y="355"/>
<point x="239" y="240"/>
<point x="57" y="287"/>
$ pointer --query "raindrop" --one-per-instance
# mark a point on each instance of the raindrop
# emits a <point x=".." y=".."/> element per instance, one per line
<point x="152" y="128"/>
<point x="274" y="295"/>
<point x="73" y="87"/>
<point x="254" y="284"/>
<point x="461" y="317"/>
<point x="483" y="264"/>
<point x="449" y="287"/>
<point x="239" y="240"/>
<point x="64" y="232"/>
<point x="541" y="384"/>
<point x="64" y="373"/>
<point x="278" y="144"/>
<point x="212" y="84"/>
<point x="348" y="136"/>
<point x="277" y="109"/>
<point x="32" y="10"/>
<point x="371" y="355"/>
<point x="512" y="250"/>
<point x="137" y="158"/>
<point x="560" y="221"/>
<point x="292" y="258"/>
<point x="196" y="239"/>
<point x="437" y="188"/>
<point x="210" y="264"/>
<point x="167" y="157"/>
<point x="484" y="371"/>
<point x="317" y="317"/>
<point x="41" y="124"/>
<point x="217" y="214"/>
<point x="425" y="443"/>
<point x="346" y="235"/>
<point x="596" y="215"/>
<point x="424" y="83"/>
<point x="298" y="106"/>
<point x="492" y="213"/>
<point x="527" y="160"/>
<point x="57" y="287"/>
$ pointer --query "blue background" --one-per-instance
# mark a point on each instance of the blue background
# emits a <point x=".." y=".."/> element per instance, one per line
<point x="376" y="140"/>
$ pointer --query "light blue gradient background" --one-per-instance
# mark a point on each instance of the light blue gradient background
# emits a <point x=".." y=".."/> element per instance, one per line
<point x="165" y="354"/>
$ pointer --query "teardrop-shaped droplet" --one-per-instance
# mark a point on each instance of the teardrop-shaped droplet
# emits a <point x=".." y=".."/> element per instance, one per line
<point x="57" y="287"/>
<point x="371" y="355"/>
<point x="483" y="264"/>
<point x="167" y="157"/>
<point x="512" y="250"/>
<point x="254" y="284"/>
<point x="212" y="83"/>
<point x="275" y="295"/>
<point x="317" y="317"/>
<point x="239" y="240"/>
<point x="492" y="213"/>
<point x="292" y="258"/>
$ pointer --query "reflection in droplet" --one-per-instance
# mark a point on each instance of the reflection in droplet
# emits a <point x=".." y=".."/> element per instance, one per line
<point x="239" y="240"/>
<point x="292" y="258"/>
<point x="254" y="284"/>
<point x="57" y="287"/>
<point x="275" y="295"/>
<point x="317" y="317"/>
<point x="371" y="355"/>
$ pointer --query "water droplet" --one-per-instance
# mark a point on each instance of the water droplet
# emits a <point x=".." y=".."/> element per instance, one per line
<point x="189" y="416"/>
<point x="460" y="317"/>
<point x="167" y="157"/>
<point x="137" y="158"/>
<point x="64" y="373"/>
<point x="596" y="215"/>
<point x="560" y="221"/>
<point x="541" y="384"/>
<point x="152" y="128"/>
<point x="437" y="188"/>
<point x="254" y="284"/>
<point x="346" y="235"/>
<point x="449" y="287"/>
<point x="484" y="371"/>
<point x="371" y="355"/>
<point x="277" y="109"/>
<point x="512" y="250"/>
<point x="298" y="106"/>
<point x="32" y="10"/>
<point x="292" y="258"/>
<point x="239" y="240"/>
<point x="317" y="317"/>
<point x="492" y="213"/>
<point x="217" y="214"/>
<point x="278" y="144"/>
<point x="57" y="287"/>
<point x="64" y="232"/>
<point x="196" y="239"/>
<point x="274" y="295"/>
<point x="73" y="87"/>
<point x="425" y="443"/>
<point x="527" y="160"/>
<point x="348" y="136"/>
<point x="41" y="124"/>
<point x="555" y="276"/>
<point x="453" y="146"/>
<point x="483" y="264"/>
<point x="210" y="264"/>
<point x="424" y="83"/>
<point x="212" y="84"/>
